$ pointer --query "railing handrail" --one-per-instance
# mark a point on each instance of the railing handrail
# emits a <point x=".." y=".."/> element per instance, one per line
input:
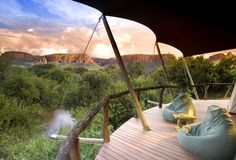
<point x="140" y="89"/>
<point x="81" y="126"/>
<point x="163" y="86"/>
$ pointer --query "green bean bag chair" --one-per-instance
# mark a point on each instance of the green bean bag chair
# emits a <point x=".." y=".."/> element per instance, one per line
<point x="212" y="139"/>
<point x="181" y="104"/>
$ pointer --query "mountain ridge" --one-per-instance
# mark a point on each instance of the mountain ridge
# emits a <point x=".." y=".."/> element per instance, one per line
<point x="83" y="58"/>
<point x="72" y="58"/>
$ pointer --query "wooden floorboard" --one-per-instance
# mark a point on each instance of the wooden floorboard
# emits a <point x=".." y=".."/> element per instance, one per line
<point x="131" y="142"/>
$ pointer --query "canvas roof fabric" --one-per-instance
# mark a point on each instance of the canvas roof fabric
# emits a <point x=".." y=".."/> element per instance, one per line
<point x="193" y="27"/>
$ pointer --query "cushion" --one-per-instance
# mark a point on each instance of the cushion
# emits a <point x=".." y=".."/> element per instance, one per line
<point x="180" y="104"/>
<point x="212" y="139"/>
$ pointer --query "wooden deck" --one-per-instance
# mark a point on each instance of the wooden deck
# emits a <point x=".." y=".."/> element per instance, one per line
<point x="130" y="142"/>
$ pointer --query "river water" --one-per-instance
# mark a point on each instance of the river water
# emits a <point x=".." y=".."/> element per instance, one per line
<point x="60" y="119"/>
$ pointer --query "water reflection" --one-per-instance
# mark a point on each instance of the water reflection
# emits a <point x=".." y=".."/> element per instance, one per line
<point x="61" y="119"/>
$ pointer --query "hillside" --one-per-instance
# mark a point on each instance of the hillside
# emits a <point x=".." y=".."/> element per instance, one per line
<point x="53" y="58"/>
<point x="149" y="61"/>
<point x="217" y="57"/>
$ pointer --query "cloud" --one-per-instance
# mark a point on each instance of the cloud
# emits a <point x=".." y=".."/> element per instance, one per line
<point x="70" y="11"/>
<point x="11" y="7"/>
<point x="12" y="13"/>
<point x="14" y="17"/>
<point x="132" y="39"/>
<point x="46" y="16"/>
<point x="73" y="41"/>
<point x="103" y="51"/>
<point x="30" y="30"/>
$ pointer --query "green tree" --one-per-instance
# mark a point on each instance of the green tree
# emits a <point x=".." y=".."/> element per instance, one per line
<point x="158" y="76"/>
<point x="89" y="89"/>
<point x="201" y="69"/>
<point x="5" y="63"/>
<point x="21" y="84"/>
<point x="14" y="113"/>
<point x="176" y="72"/>
<point x="113" y="71"/>
<point x="225" y="70"/>
<point x="135" y="69"/>
<point x="59" y="75"/>
<point x="42" y="69"/>
<point x="30" y="89"/>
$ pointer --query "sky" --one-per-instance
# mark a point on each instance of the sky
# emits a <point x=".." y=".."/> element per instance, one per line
<point x="42" y="27"/>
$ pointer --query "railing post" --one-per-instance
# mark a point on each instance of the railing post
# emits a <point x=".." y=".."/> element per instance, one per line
<point x="63" y="153"/>
<point x="139" y="98"/>
<point x="161" y="95"/>
<point x="106" y="134"/>
<point x="75" y="150"/>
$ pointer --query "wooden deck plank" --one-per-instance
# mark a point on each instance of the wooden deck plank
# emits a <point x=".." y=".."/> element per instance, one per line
<point x="162" y="142"/>
<point x="155" y="136"/>
<point x="157" y="148"/>
<point x="108" y="154"/>
<point x="134" y="153"/>
<point x="144" y="144"/>
<point x="122" y="155"/>
<point x="130" y="141"/>
<point x="137" y="148"/>
<point x="100" y="157"/>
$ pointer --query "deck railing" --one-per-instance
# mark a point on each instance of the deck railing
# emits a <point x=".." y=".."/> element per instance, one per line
<point x="70" y="149"/>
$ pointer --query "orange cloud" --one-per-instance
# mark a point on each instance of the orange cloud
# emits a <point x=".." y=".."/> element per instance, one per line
<point x="131" y="38"/>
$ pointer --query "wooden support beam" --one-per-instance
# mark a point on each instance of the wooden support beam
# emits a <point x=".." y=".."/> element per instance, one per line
<point x="227" y="92"/>
<point x="191" y="79"/>
<point x="164" y="68"/>
<point x="105" y="129"/>
<point x="125" y="75"/>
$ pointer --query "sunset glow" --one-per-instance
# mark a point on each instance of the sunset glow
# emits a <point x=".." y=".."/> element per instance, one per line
<point x="44" y="27"/>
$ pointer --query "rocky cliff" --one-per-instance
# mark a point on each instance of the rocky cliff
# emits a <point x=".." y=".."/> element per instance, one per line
<point x="56" y="58"/>
<point x="220" y="56"/>
<point x="69" y="58"/>
<point x="151" y="59"/>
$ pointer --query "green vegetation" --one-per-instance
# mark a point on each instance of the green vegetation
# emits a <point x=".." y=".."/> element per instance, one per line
<point x="29" y="94"/>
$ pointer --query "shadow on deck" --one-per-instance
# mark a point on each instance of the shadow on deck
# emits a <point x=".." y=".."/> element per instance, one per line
<point x="130" y="141"/>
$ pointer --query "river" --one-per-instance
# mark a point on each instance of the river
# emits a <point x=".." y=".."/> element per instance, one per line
<point x="60" y="119"/>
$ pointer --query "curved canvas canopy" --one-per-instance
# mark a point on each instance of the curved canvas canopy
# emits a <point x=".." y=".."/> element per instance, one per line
<point x="194" y="27"/>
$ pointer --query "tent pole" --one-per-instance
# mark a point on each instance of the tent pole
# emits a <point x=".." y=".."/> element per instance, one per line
<point x="232" y="102"/>
<point x="164" y="68"/>
<point x="191" y="79"/>
<point x="125" y="75"/>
